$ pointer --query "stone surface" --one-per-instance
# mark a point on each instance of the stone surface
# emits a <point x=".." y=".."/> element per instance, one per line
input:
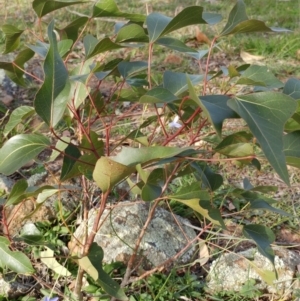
<point x="231" y="271"/>
<point x="17" y="216"/>
<point x="5" y="184"/>
<point x="11" y="287"/>
<point x="122" y="226"/>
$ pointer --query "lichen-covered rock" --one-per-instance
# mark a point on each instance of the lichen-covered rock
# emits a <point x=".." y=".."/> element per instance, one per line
<point x="231" y="271"/>
<point x="121" y="227"/>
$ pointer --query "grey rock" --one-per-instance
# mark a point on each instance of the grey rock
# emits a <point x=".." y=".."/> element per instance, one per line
<point x="6" y="183"/>
<point x="231" y="271"/>
<point x="11" y="287"/>
<point x="121" y="227"/>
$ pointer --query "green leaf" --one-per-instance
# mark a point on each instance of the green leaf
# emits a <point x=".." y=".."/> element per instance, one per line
<point x="44" y="7"/>
<point x="158" y="95"/>
<point x="45" y="194"/>
<point x="153" y="187"/>
<point x="16" y="117"/>
<point x="236" y="145"/>
<point x="64" y="47"/>
<point x="13" y="70"/>
<point x="72" y="153"/>
<point x="177" y="45"/>
<point x="159" y="25"/>
<point x="80" y="89"/>
<point x="266" y="113"/>
<point x="262" y="204"/>
<point x="71" y="30"/>
<point x="177" y="83"/>
<point x="205" y="208"/>
<point x="108" y="173"/>
<point x="291" y="149"/>
<point x="93" y="144"/>
<point x="128" y="69"/>
<point x="16" y="261"/>
<point x="238" y="22"/>
<point x="93" y="47"/>
<point x="215" y="108"/>
<point x="133" y="156"/>
<point x="19" y="150"/>
<point x="292" y="88"/>
<point x="263" y="237"/>
<point x="92" y="264"/>
<point x="150" y="192"/>
<point x="31" y="235"/>
<point x="12" y="37"/>
<point x="108" y="8"/>
<point x="192" y="191"/>
<point x="211" y="18"/>
<point x="16" y="193"/>
<point x="210" y="179"/>
<point x="52" y="98"/>
<point x="259" y="76"/>
<point x="131" y="33"/>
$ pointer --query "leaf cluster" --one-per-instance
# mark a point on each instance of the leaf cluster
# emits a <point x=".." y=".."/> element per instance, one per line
<point x="66" y="95"/>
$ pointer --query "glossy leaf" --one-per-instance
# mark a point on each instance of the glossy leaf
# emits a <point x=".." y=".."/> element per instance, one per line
<point x="13" y="70"/>
<point x="93" y="144"/>
<point x="19" y="150"/>
<point x="31" y="235"/>
<point x="71" y="30"/>
<point x="12" y="37"/>
<point x="16" y="261"/>
<point x="158" y="95"/>
<point x="159" y="25"/>
<point x="92" y="264"/>
<point x="291" y="149"/>
<point x="266" y="113"/>
<point x="72" y="153"/>
<point x="238" y="22"/>
<point x="177" y="83"/>
<point x="108" y="173"/>
<point x="192" y="191"/>
<point x="133" y="156"/>
<point x="259" y="76"/>
<point x="263" y="237"/>
<point x="262" y="204"/>
<point x="177" y="45"/>
<point x="128" y="69"/>
<point x="236" y="145"/>
<point x="79" y="87"/>
<point x="52" y="98"/>
<point x="17" y="193"/>
<point x="292" y="88"/>
<point x="131" y="33"/>
<point x="211" y="18"/>
<point x="150" y="192"/>
<point x="108" y="8"/>
<point x="45" y="194"/>
<point x="215" y="108"/>
<point x="16" y="117"/>
<point x="93" y="47"/>
<point x="44" y="7"/>
<point x="209" y="179"/>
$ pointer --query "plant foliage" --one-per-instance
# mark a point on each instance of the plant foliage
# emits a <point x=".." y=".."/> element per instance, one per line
<point x="67" y="98"/>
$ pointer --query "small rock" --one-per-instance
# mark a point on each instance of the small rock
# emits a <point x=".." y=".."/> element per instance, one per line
<point x="231" y="271"/>
<point x="11" y="287"/>
<point x="122" y="226"/>
<point x="17" y="216"/>
<point x="6" y="184"/>
<point x="7" y="99"/>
